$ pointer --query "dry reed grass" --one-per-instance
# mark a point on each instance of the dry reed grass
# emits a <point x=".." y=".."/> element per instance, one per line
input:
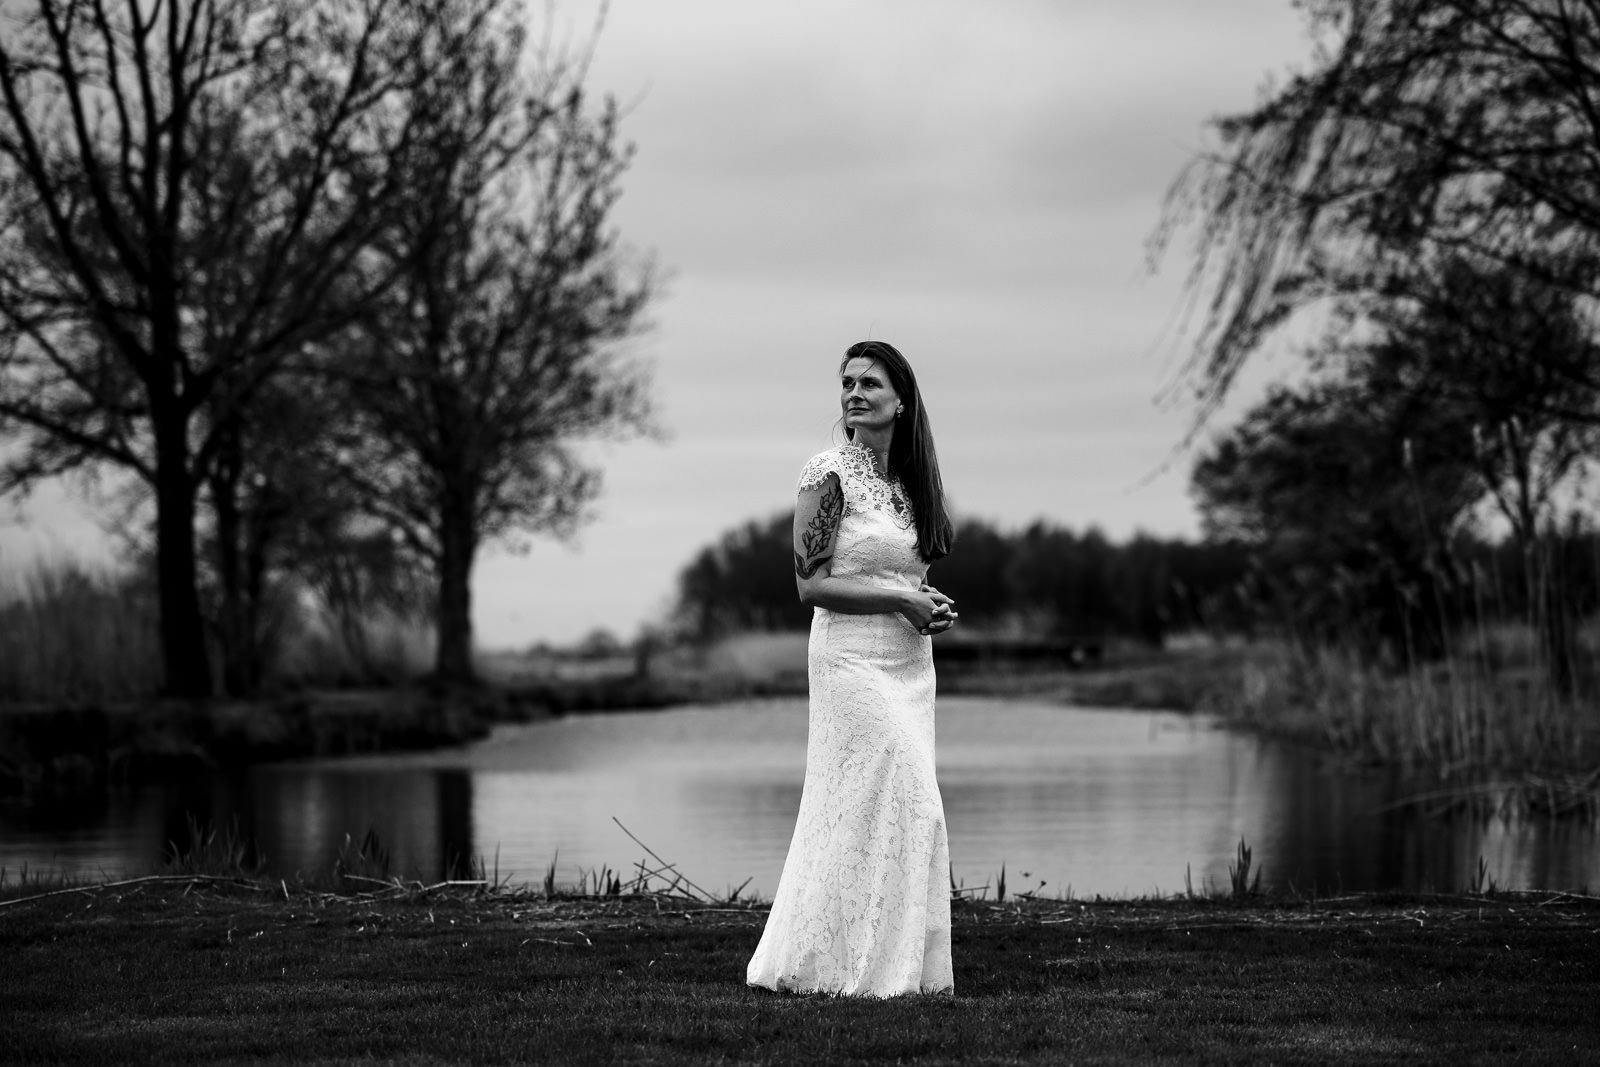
<point x="73" y="635"/>
<point x="1462" y="720"/>
<point x="383" y="648"/>
<point x="758" y="656"/>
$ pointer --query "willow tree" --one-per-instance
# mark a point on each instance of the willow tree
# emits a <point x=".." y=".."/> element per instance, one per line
<point x="496" y="352"/>
<point x="1425" y="131"/>
<point x="1434" y="176"/>
<point x="189" y="195"/>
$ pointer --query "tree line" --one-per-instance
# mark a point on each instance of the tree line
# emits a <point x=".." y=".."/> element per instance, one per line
<point x="334" y="287"/>
<point x="1421" y="203"/>
<point x="1043" y="581"/>
<point x="1353" y="572"/>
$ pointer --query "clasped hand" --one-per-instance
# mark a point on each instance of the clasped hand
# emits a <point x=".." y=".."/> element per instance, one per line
<point x="930" y="611"/>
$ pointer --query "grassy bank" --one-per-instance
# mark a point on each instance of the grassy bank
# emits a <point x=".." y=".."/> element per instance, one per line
<point x="80" y="673"/>
<point x="1142" y="679"/>
<point x="47" y="749"/>
<point x="188" y="972"/>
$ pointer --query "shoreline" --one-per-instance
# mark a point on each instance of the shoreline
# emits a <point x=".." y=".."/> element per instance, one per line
<point x="50" y="750"/>
<point x="54" y="749"/>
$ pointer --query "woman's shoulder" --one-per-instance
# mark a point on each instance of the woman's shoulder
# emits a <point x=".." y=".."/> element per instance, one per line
<point x="842" y="462"/>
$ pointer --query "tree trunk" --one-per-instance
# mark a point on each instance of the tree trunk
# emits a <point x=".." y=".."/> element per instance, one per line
<point x="257" y="539"/>
<point x="235" y="637"/>
<point x="183" y="636"/>
<point x="458" y="542"/>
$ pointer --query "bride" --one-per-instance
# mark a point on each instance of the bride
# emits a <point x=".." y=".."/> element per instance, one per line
<point x="863" y="904"/>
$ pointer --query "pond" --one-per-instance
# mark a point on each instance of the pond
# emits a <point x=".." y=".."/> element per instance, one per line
<point x="1068" y="800"/>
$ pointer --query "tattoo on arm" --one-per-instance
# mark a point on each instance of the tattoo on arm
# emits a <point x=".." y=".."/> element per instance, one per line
<point x="817" y="538"/>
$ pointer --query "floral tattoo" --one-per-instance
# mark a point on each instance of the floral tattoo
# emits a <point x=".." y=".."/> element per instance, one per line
<point x="816" y="538"/>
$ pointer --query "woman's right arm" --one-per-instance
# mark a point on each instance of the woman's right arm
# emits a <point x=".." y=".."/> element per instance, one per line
<point x="817" y="515"/>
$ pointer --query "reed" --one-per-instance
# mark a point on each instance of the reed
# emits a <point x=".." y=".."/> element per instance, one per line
<point x="383" y="648"/>
<point x="209" y="852"/>
<point x="367" y="861"/>
<point x="1239" y="874"/>
<point x="1482" y="884"/>
<point x="73" y="635"/>
<point x="604" y="882"/>
<point x="1459" y="720"/>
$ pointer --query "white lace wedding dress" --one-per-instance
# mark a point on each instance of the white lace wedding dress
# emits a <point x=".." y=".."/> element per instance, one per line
<point x="863" y="904"/>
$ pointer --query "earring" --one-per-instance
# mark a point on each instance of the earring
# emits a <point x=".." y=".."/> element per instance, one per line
<point x="899" y="411"/>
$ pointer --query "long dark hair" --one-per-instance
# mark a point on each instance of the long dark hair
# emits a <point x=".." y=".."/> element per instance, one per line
<point x="911" y="454"/>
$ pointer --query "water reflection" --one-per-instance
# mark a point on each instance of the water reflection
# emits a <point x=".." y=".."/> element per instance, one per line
<point x="423" y="817"/>
<point x="1101" y="802"/>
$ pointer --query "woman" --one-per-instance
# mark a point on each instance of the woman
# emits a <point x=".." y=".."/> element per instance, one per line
<point x="863" y="904"/>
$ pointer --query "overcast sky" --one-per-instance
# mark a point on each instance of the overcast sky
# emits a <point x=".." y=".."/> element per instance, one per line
<point x="974" y="183"/>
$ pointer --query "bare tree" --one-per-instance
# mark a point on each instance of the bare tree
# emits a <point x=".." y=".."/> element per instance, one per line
<point x="496" y="351"/>
<point x="189" y="196"/>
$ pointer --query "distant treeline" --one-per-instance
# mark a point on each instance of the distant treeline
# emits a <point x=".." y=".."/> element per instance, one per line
<point x="1354" y="585"/>
<point x="1040" y="581"/>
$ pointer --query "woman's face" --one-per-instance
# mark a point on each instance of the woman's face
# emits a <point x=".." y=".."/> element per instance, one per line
<point x="869" y="401"/>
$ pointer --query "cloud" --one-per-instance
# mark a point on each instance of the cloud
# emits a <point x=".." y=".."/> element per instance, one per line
<point x="972" y="181"/>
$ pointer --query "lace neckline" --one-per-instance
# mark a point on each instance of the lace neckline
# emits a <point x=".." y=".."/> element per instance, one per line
<point x="871" y="458"/>
<point x="884" y="492"/>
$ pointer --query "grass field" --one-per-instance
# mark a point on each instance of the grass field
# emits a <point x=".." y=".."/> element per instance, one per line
<point x="177" y="971"/>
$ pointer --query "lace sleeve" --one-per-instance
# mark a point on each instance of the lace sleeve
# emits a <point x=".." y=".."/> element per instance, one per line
<point x="818" y="468"/>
